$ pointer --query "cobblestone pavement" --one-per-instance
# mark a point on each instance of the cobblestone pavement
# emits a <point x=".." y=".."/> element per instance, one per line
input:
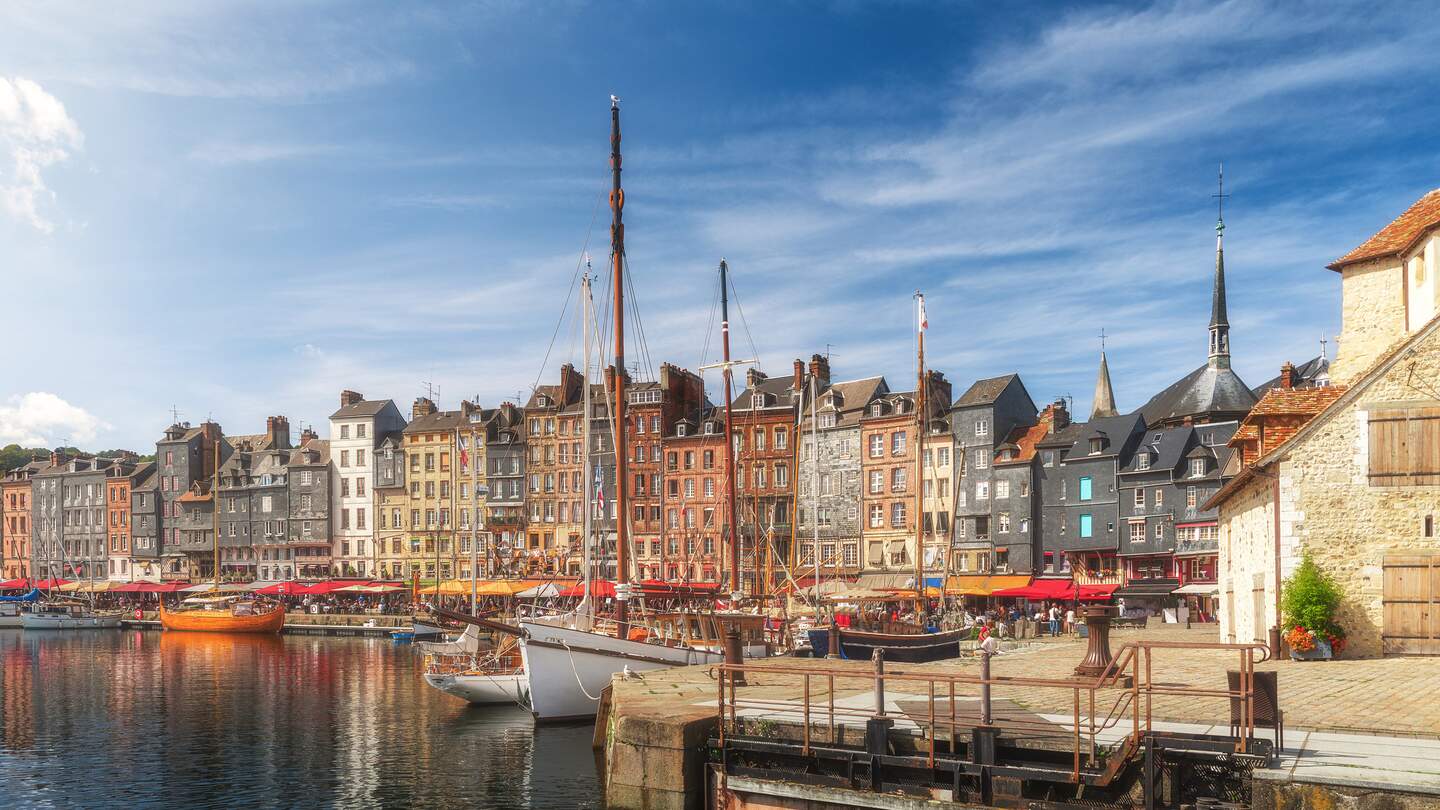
<point x="1394" y="696"/>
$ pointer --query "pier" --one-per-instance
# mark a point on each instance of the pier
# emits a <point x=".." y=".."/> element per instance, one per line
<point x="812" y="733"/>
<point x="309" y="624"/>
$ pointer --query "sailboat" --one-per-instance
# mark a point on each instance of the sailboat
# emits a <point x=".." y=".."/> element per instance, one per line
<point x="239" y="613"/>
<point x="567" y="659"/>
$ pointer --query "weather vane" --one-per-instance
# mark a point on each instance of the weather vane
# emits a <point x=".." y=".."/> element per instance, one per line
<point x="1220" y="201"/>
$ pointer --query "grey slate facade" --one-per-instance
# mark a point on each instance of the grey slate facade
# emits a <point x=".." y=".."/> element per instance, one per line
<point x="308" y="490"/>
<point x="1163" y="487"/>
<point x="1080" y="490"/>
<point x="982" y="419"/>
<point x="505" y="476"/>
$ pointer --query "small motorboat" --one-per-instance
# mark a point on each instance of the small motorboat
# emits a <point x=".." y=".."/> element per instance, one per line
<point x="497" y="679"/>
<point x="224" y="614"/>
<point x="66" y="616"/>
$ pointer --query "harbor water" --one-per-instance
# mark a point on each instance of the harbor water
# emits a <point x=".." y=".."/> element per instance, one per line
<point x="109" y="718"/>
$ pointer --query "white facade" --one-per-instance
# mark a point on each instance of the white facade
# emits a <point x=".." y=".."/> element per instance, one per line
<point x="355" y="433"/>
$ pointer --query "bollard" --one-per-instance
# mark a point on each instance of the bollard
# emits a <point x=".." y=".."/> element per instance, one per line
<point x="984" y="687"/>
<point x="834" y="641"/>
<point x="734" y="654"/>
<point x="879" y="660"/>
<point x="877" y="728"/>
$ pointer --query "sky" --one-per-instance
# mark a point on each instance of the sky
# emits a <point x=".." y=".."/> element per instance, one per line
<point x="238" y="209"/>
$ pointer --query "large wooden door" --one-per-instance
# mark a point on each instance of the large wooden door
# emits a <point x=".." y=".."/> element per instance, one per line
<point x="1412" y="605"/>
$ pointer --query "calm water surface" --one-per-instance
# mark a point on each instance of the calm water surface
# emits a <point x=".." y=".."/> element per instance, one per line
<point x="106" y="718"/>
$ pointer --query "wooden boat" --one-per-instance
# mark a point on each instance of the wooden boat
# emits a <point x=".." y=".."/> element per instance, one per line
<point x="66" y="616"/>
<point x="911" y="648"/>
<point x="225" y="615"/>
<point x="494" y="679"/>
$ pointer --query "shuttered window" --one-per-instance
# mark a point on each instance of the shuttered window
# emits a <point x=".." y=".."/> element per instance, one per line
<point x="1405" y="447"/>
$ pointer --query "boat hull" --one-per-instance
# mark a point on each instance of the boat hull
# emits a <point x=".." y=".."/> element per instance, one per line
<point x="222" y="621"/>
<point x="31" y="621"/>
<point x="917" y="648"/>
<point x="568" y="668"/>
<point x="483" y="690"/>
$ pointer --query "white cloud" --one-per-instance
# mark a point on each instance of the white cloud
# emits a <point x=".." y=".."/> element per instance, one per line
<point x="41" y="419"/>
<point x="36" y="132"/>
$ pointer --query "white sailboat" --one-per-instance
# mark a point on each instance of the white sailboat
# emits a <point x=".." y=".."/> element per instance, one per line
<point x="568" y="661"/>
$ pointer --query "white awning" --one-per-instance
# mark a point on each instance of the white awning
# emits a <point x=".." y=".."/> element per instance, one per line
<point x="1198" y="589"/>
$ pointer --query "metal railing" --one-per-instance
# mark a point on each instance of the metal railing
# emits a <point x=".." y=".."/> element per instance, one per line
<point x="1127" y="684"/>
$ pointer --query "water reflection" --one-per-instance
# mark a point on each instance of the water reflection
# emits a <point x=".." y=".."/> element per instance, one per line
<point x="107" y="718"/>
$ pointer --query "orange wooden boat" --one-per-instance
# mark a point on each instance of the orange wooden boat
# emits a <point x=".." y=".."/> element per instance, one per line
<point x="227" y="620"/>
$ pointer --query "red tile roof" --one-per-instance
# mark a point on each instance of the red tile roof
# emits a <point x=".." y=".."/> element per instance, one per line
<point x="1398" y="236"/>
<point x="1296" y="401"/>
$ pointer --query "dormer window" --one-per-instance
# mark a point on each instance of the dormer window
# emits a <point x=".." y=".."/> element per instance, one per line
<point x="542" y="401"/>
<point x="827" y="420"/>
<point x="709" y="428"/>
<point x="1142" y="461"/>
<point x="877" y="409"/>
<point x="1197" y="467"/>
<point x="1097" y="446"/>
<point x="682" y="429"/>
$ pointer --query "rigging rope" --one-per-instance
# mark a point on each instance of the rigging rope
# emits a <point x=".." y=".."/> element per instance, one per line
<point x="579" y="263"/>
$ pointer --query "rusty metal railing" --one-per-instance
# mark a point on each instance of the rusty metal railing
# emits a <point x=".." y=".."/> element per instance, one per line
<point x="1127" y="683"/>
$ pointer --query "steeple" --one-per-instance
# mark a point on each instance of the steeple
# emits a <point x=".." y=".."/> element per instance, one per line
<point x="1102" y="405"/>
<point x="1219" y="322"/>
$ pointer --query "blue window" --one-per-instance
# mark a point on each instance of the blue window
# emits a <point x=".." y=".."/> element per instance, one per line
<point x="1085" y="488"/>
<point x="1085" y="522"/>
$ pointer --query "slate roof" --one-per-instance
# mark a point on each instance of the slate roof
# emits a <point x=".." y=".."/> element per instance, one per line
<point x="144" y="477"/>
<point x="440" y="420"/>
<point x="851" y="398"/>
<point x="1305" y="375"/>
<point x="365" y="407"/>
<point x="1207" y="390"/>
<point x="777" y="387"/>
<point x="984" y="392"/>
<point x="1116" y="430"/>
<point x="1400" y="235"/>
<point x="1166" y="446"/>
<point x="1064" y="437"/>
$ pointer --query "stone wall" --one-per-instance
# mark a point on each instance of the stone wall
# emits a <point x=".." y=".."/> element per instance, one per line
<point x="1372" y="316"/>
<point x="1329" y="510"/>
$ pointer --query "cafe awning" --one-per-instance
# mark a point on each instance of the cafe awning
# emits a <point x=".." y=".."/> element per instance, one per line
<point x="1147" y="590"/>
<point x="1198" y="589"/>
<point x="150" y="587"/>
<point x="15" y="585"/>
<point x="983" y="584"/>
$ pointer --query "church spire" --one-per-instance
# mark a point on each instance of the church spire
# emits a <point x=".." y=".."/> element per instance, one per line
<point x="1102" y="405"/>
<point x="1219" y="322"/>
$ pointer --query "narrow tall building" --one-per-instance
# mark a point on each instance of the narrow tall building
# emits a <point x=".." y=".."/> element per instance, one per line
<point x="15" y="517"/>
<point x="356" y="430"/>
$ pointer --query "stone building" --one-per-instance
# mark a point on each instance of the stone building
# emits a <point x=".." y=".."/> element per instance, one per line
<point x="145" y="560"/>
<point x="762" y="433"/>
<point x="254" y="502"/>
<point x="184" y="455"/>
<point x="937" y="471"/>
<point x="355" y="432"/>
<point x="1357" y="485"/>
<point x="69" y="537"/>
<point x="1015" y="498"/>
<point x="309" y="479"/>
<point x="15" y="518"/>
<point x="696" y="520"/>
<point x="121" y="477"/>
<point x="505" y="475"/>
<point x="392" y="505"/>
<point x="430" y="452"/>
<point x="829" y="489"/>
<point x="471" y="491"/>
<point x="983" y="418"/>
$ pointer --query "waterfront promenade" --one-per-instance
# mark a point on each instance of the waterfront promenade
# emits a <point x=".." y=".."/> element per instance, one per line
<point x="1354" y="723"/>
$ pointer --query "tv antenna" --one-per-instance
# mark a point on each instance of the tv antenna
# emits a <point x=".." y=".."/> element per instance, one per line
<point x="174" y="415"/>
<point x="432" y="391"/>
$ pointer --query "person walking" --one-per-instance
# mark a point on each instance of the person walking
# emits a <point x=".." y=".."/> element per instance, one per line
<point x="1070" y="620"/>
<point x="1054" y="620"/>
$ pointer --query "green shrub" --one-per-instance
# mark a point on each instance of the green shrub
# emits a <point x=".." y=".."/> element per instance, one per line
<point x="1309" y="600"/>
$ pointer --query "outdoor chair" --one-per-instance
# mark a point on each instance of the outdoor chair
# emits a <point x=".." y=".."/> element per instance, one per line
<point x="1266" y="705"/>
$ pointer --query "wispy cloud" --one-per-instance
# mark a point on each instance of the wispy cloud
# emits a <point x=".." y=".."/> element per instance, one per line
<point x="37" y="133"/>
<point x="43" y="419"/>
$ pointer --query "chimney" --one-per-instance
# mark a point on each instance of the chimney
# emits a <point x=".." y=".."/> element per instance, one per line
<point x="350" y="398"/>
<point x="422" y="407"/>
<point x="306" y="434"/>
<point x="466" y="408"/>
<point x="55" y="458"/>
<point x="1059" y="416"/>
<point x="799" y="374"/>
<point x="277" y="431"/>
<point x="820" y="367"/>
<point x="938" y="393"/>
<point x="1287" y="376"/>
<point x="754" y="377"/>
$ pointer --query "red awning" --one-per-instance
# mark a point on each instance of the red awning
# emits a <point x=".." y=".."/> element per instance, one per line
<point x="1040" y="589"/>
<point x="598" y="587"/>
<point x="327" y="586"/>
<point x="151" y="587"/>
<point x="15" y="585"/>
<point x="1097" y="593"/>
<point x="281" y="589"/>
<point x="47" y="584"/>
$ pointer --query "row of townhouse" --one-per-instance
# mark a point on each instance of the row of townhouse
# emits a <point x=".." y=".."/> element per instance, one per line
<point x="832" y="478"/>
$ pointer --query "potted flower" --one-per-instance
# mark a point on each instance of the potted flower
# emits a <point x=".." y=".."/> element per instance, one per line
<point x="1309" y="601"/>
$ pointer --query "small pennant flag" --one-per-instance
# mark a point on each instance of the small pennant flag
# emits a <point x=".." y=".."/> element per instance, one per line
<point x="600" y="488"/>
<point x="924" y="320"/>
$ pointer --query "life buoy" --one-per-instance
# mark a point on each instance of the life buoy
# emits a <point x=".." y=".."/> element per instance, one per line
<point x="139" y="614"/>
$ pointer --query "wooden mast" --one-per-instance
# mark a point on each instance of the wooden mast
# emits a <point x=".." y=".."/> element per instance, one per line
<point x="729" y="432"/>
<point x="215" y="512"/>
<point x="622" y="503"/>
<point x="920" y="420"/>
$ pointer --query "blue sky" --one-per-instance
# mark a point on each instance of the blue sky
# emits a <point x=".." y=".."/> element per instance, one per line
<point x="239" y="209"/>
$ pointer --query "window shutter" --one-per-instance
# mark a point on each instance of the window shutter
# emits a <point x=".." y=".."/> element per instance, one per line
<point x="1405" y="447"/>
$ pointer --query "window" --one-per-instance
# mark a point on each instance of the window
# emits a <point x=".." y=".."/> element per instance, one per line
<point x="897" y="443"/>
<point x="1097" y="445"/>
<point x="827" y="420"/>
<point x="1137" y="532"/>
<point x="982" y="459"/>
<point x="1139" y="498"/>
<point x="942" y="457"/>
<point x="982" y="490"/>
<point x="359" y="458"/>
<point x="344" y="431"/>
<point x="982" y="427"/>
<point x="1002" y="489"/>
<point x="1086" y="526"/>
<point x="897" y="479"/>
<point x="360" y="430"/>
<point x="1048" y="457"/>
<point x="1024" y="489"/>
<point x="1002" y="523"/>
<point x="1159" y="497"/>
<point x="877" y="515"/>
<point x="1024" y="525"/>
<point x="782" y="475"/>
<point x="877" y="445"/>
<point x="1142" y="460"/>
<point x="897" y="515"/>
<point x="1197" y="465"/>
<point x="759" y="438"/>
<point x="877" y="482"/>
<point x="1159" y="531"/>
<point x="782" y="438"/>
<point x="1190" y="497"/>
<point x="1085" y="488"/>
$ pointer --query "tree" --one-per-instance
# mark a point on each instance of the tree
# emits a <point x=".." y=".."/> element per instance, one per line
<point x="1309" y="600"/>
<point x="13" y="455"/>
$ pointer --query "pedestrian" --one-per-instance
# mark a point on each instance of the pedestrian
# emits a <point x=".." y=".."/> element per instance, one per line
<point x="1070" y="620"/>
<point x="1054" y="620"/>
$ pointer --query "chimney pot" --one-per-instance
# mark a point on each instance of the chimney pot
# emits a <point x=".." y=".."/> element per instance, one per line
<point x="799" y="374"/>
<point x="348" y="397"/>
<point x="1287" y="376"/>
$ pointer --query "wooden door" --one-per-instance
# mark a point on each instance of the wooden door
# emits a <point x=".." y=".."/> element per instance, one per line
<point x="1411" y="605"/>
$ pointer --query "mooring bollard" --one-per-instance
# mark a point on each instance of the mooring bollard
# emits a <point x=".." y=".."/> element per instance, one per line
<point x="734" y="655"/>
<point x="833" y="643"/>
<point x="878" y="657"/>
<point x="985" y="687"/>
<point x="877" y="728"/>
